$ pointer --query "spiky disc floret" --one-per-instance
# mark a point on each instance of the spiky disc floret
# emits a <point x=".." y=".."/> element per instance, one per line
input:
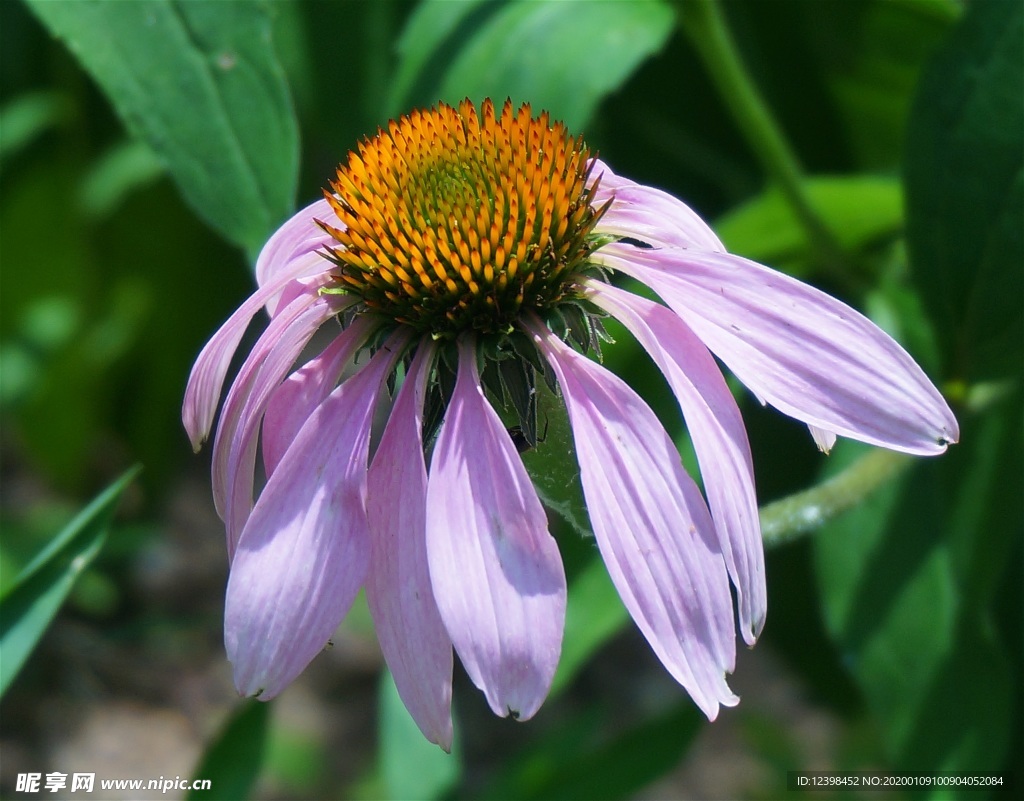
<point x="453" y="221"/>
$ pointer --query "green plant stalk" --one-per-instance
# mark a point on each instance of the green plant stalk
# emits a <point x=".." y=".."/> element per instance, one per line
<point x="704" y="24"/>
<point x="803" y="512"/>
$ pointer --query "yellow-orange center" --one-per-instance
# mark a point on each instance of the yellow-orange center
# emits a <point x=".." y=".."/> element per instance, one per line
<point x="454" y="221"/>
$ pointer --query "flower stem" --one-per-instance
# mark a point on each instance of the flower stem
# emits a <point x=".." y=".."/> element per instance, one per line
<point x="704" y="24"/>
<point x="803" y="512"/>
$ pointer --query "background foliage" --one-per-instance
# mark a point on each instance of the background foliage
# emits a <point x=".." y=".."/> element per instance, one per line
<point x="147" y="150"/>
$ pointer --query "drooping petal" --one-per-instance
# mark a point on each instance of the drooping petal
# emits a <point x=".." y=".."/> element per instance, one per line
<point x="301" y="392"/>
<point x="298" y="238"/>
<point x="207" y="378"/>
<point x="409" y="628"/>
<point x="648" y="214"/>
<point x="719" y="438"/>
<point x="804" y="352"/>
<point x="652" y="526"/>
<point x="305" y="549"/>
<point x="496" y="572"/>
<point x="822" y="438"/>
<point x="234" y="447"/>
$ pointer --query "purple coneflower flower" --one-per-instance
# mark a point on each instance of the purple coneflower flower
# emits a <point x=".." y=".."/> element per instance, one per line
<point x="459" y="251"/>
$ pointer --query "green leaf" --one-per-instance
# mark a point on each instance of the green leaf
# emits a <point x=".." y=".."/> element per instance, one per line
<point x="413" y="768"/>
<point x="552" y="464"/>
<point x="562" y="57"/>
<point x="908" y="581"/>
<point x="862" y="210"/>
<point x="127" y="167"/>
<point x="432" y="29"/>
<point x="298" y="758"/>
<point x="232" y="763"/>
<point x="965" y="191"/>
<point x="594" y="614"/>
<point x="201" y="85"/>
<point x="592" y="755"/>
<point x="33" y="600"/>
<point x="27" y="117"/>
<point x="625" y="765"/>
<point x="871" y="54"/>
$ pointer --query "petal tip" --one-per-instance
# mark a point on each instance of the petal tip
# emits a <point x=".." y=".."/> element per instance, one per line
<point x="196" y="431"/>
<point x="442" y="737"/>
<point x="752" y="631"/>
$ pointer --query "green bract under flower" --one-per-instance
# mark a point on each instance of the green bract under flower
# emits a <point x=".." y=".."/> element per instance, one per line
<point x="454" y="221"/>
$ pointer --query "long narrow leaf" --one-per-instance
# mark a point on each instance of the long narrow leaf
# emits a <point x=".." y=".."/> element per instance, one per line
<point x="32" y="602"/>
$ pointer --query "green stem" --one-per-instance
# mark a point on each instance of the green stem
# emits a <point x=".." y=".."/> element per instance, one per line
<point x="703" y="22"/>
<point x="803" y="512"/>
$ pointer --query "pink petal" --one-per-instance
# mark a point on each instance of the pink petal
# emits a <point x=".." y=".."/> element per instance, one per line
<point x="719" y="438"/>
<point x="305" y="549"/>
<point x="299" y="238"/>
<point x="207" y="378"/>
<point x="234" y="448"/>
<point x="822" y="438"/>
<point x="496" y="572"/>
<point x="294" y="400"/>
<point x="653" y="529"/>
<point x="648" y="214"/>
<point x="409" y="628"/>
<point x="802" y="351"/>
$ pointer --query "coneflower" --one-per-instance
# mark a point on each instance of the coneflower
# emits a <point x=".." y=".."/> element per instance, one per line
<point x="463" y="258"/>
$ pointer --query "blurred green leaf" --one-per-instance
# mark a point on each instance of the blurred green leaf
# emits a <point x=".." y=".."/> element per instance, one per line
<point x="413" y="768"/>
<point x="232" y="763"/>
<point x="862" y="210"/>
<point x="432" y="25"/>
<point x="46" y="326"/>
<point x="907" y="581"/>
<point x="298" y="759"/>
<point x="965" y="191"/>
<point x="26" y="117"/>
<point x="201" y="85"/>
<point x="580" y="760"/>
<point x="981" y="476"/>
<point x="896" y="307"/>
<point x="594" y="614"/>
<point x="871" y="53"/>
<point x="889" y="596"/>
<point x="632" y="760"/>
<point x="63" y="359"/>
<point x="562" y="57"/>
<point x="127" y="166"/>
<point x="27" y="608"/>
<point x="90" y="364"/>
